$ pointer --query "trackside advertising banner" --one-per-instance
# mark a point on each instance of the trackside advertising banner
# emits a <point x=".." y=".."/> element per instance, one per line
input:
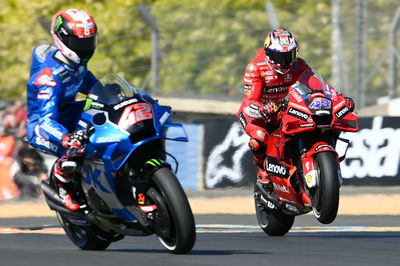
<point x="373" y="157"/>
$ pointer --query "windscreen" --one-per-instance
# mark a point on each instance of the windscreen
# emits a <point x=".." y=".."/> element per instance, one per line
<point x="310" y="82"/>
<point x="112" y="89"/>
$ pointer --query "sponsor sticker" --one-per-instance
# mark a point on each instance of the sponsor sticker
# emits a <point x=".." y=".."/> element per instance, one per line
<point x="45" y="78"/>
<point x="342" y="112"/>
<point x="324" y="146"/>
<point x="242" y="120"/>
<point x="125" y="103"/>
<point x="298" y="114"/>
<point x="97" y="105"/>
<point x="108" y="139"/>
<point x="272" y="166"/>
<point x="295" y="95"/>
<point x="271" y="90"/>
<point x="164" y="118"/>
<point x="44" y="96"/>
<point x="47" y="144"/>
<point x="306" y="125"/>
<point x="281" y="188"/>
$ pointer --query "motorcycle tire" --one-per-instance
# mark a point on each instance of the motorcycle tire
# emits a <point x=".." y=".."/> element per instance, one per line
<point x="178" y="235"/>
<point x="272" y="222"/>
<point x="83" y="236"/>
<point x="325" y="200"/>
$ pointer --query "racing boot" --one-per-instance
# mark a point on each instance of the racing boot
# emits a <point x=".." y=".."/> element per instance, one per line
<point x="64" y="171"/>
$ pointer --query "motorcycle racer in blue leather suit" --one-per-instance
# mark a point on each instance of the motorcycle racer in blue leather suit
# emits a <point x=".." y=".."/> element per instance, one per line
<point x="57" y="74"/>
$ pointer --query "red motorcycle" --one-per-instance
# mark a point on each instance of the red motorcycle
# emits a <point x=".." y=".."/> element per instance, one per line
<point x="301" y="161"/>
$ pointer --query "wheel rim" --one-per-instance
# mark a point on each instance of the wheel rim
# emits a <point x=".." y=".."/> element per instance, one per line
<point x="316" y="197"/>
<point x="263" y="217"/>
<point x="77" y="234"/>
<point x="163" y="224"/>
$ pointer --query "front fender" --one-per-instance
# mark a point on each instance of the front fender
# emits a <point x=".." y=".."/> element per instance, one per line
<point x="308" y="161"/>
<point x="153" y="165"/>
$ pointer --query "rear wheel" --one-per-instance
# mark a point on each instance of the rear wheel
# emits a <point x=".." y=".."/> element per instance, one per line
<point x="273" y="222"/>
<point x="325" y="200"/>
<point x="84" y="235"/>
<point x="174" y="222"/>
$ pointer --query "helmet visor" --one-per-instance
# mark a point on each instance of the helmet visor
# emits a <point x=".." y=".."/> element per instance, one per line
<point x="77" y="44"/>
<point x="283" y="59"/>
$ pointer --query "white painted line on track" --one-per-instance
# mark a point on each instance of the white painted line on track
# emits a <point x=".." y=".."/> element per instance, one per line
<point x="256" y="228"/>
<point x="225" y="228"/>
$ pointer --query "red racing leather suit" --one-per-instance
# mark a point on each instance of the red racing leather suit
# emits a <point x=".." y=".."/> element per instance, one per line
<point x="262" y="85"/>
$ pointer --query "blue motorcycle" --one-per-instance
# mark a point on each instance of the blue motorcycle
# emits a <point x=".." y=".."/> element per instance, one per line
<point x="127" y="185"/>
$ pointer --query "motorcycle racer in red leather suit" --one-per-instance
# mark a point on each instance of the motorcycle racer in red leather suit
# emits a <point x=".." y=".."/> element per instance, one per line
<point x="267" y="79"/>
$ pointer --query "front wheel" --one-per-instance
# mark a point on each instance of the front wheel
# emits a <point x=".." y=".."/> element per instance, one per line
<point x="325" y="200"/>
<point x="175" y="227"/>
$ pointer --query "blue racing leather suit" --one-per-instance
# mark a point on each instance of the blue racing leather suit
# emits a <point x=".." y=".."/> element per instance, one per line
<point x="51" y="92"/>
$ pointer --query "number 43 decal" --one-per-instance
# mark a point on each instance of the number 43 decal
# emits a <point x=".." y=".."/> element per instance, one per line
<point x="135" y="113"/>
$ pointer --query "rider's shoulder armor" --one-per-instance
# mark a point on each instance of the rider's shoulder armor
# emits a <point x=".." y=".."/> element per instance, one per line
<point x="39" y="55"/>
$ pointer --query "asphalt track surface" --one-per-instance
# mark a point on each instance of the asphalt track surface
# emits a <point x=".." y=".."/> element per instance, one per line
<point x="221" y="240"/>
<point x="226" y="239"/>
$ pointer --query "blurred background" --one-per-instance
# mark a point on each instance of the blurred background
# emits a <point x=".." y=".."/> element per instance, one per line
<point x="196" y="49"/>
<point x="192" y="55"/>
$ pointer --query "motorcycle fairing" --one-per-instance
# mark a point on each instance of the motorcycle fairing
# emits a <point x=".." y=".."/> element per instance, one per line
<point x="103" y="184"/>
<point x="312" y="103"/>
<point x="294" y="200"/>
<point x="113" y="139"/>
<point x="343" y="119"/>
<point x="286" y="185"/>
<point x="115" y="155"/>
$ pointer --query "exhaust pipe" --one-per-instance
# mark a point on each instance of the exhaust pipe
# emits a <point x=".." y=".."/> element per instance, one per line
<point x="63" y="210"/>
<point x="55" y="203"/>
<point x="50" y="193"/>
<point x="266" y="195"/>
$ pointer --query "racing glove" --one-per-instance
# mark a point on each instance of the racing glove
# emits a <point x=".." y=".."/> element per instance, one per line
<point x="75" y="141"/>
<point x="349" y="103"/>
<point x="268" y="109"/>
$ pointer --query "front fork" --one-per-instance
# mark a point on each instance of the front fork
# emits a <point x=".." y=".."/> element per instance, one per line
<point x="310" y="173"/>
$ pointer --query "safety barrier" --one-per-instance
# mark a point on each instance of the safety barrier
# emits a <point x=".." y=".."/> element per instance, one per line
<point x="222" y="158"/>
